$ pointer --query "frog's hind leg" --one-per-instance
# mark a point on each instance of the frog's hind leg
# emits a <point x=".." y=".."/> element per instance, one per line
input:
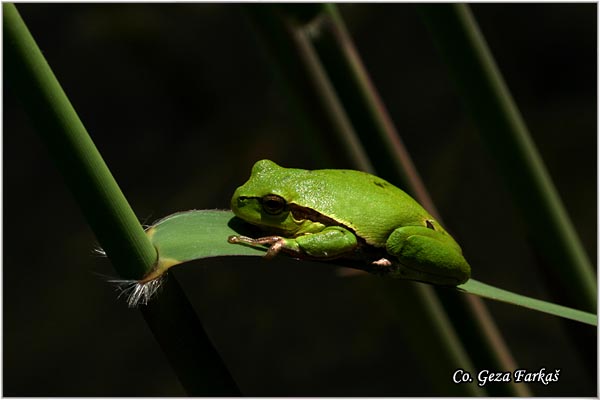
<point x="428" y="255"/>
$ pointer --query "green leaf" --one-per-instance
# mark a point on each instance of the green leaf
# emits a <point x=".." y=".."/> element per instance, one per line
<point x="494" y="293"/>
<point x="190" y="235"/>
<point x="196" y="234"/>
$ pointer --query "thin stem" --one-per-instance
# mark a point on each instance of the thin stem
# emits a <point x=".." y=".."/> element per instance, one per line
<point x="362" y="103"/>
<point x="320" y="112"/>
<point x="196" y="362"/>
<point x="500" y="123"/>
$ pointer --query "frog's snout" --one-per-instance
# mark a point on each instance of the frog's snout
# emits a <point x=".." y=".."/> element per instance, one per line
<point x="237" y="202"/>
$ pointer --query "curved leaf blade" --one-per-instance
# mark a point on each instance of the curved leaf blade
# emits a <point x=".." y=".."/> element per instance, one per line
<point x="490" y="292"/>
<point x="196" y="234"/>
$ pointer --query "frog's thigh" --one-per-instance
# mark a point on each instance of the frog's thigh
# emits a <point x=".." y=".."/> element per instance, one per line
<point x="330" y="242"/>
<point x="427" y="250"/>
<point x="420" y="236"/>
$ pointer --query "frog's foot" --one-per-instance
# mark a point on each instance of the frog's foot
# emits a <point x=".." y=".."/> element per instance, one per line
<point x="382" y="262"/>
<point x="276" y="243"/>
<point x="382" y="267"/>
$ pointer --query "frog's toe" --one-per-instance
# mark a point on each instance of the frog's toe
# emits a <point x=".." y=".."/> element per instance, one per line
<point x="382" y="262"/>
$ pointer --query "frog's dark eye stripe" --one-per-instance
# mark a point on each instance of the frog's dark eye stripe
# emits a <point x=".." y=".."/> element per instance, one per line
<point x="430" y="224"/>
<point x="273" y="204"/>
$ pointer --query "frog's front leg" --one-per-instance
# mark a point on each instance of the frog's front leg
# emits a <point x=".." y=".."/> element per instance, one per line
<point x="331" y="242"/>
<point x="429" y="255"/>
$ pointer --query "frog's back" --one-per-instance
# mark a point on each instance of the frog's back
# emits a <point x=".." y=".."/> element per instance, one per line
<point x="369" y="205"/>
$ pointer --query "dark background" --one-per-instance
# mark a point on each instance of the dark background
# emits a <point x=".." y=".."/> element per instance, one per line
<point x="181" y="100"/>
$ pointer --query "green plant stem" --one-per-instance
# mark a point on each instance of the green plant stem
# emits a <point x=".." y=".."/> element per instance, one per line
<point x="493" y="109"/>
<point x="171" y="318"/>
<point x="100" y="198"/>
<point x="377" y="132"/>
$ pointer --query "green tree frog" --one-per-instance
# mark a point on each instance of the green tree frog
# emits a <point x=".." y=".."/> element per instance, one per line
<point x="336" y="213"/>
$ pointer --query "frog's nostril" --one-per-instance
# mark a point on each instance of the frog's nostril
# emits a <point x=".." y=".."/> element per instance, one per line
<point x="241" y="201"/>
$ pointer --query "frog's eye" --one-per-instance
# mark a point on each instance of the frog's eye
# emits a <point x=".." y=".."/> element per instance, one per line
<point x="273" y="204"/>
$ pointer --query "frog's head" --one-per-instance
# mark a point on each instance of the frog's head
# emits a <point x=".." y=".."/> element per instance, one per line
<point x="263" y="199"/>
